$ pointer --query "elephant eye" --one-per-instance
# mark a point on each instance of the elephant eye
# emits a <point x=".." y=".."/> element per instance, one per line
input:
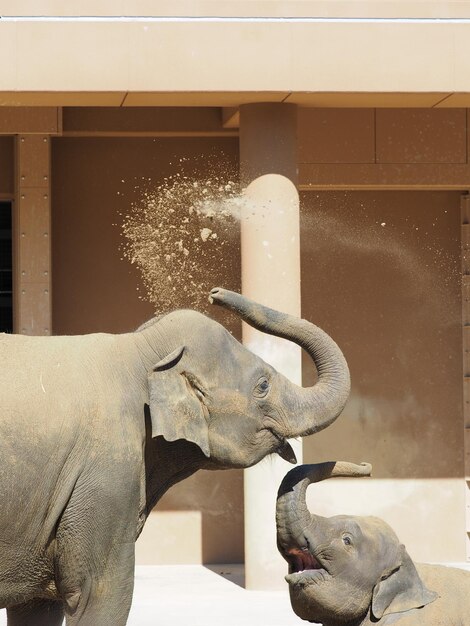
<point x="262" y="388"/>
<point x="347" y="540"/>
<point x="195" y="385"/>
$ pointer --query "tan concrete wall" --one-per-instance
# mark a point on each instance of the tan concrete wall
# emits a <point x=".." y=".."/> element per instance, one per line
<point x="127" y="121"/>
<point x="7" y="178"/>
<point x="94" y="290"/>
<point x="399" y="286"/>
<point x="394" y="148"/>
<point x="368" y="136"/>
<point x="128" y="62"/>
<point x="29" y="120"/>
<point x="381" y="273"/>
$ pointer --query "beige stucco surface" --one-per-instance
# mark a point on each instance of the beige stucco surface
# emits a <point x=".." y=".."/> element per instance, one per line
<point x="128" y="57"/>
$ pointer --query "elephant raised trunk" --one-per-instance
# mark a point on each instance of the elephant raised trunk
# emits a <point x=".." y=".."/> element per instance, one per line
<point x="309" y="409"/>
<point x="292" y="514"/>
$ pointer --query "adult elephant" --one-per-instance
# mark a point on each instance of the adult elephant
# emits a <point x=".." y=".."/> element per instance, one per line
<point x="96" y="428"/>
<point x="353" y="571"/>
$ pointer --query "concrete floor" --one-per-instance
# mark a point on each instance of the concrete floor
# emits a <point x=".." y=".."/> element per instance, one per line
<point x="193" y="594"/>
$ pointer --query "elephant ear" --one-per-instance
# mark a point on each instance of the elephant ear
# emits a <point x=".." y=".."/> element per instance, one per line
<point x="402" y="590"/>
<point x="176" y="411"/>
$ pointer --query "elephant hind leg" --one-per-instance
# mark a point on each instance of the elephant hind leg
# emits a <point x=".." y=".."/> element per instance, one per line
<point x="37" y="612"/>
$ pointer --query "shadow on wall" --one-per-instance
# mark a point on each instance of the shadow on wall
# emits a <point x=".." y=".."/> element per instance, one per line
<point x="381" y="273"/>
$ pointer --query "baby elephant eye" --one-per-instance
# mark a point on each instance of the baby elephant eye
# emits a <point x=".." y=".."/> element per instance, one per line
<point x="262" y="388"/>
<point x="347" y="540"/>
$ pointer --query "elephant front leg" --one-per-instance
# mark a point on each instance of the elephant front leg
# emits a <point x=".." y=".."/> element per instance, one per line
<point x="102" y="596"/>
<point x="38" y="612"/>
<point x="95" y="546"/>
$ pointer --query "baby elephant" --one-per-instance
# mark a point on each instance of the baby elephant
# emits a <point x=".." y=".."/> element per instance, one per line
<point x="353" y="571"/>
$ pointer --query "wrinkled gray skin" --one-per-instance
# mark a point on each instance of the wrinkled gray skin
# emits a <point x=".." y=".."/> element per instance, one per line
<point x="353" y="571"/>
<point x="95" y="429"/>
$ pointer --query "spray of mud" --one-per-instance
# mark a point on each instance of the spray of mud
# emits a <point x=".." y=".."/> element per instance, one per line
<point x="183" y="235"/>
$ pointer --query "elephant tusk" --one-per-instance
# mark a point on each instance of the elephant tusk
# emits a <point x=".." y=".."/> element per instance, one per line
<point x="287" y="453"/>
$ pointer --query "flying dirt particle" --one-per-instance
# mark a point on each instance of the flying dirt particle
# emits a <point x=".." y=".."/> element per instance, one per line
<point x="205" y="233"/>
<point x="383" y="224"/>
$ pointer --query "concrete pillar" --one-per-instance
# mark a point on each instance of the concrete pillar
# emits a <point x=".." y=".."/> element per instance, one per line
<point x="270" y="275"/>
<point x="32" y="228"/>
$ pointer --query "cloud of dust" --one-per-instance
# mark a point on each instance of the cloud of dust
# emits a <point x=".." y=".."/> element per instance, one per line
<point x="384" y="242"/>
<point x="182" y="235"/>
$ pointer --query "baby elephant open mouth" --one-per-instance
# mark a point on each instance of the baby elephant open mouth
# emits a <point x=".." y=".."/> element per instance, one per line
<point x="303" y="567"/>
<point x="302" y="559"/>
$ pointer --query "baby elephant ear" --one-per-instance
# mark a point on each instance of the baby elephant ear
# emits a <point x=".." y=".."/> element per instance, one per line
<point x="176" y="411"/>
<point x="401" y="591"/>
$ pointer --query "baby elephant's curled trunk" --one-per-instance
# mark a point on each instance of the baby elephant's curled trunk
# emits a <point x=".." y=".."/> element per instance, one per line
<point x="292" y="514"/>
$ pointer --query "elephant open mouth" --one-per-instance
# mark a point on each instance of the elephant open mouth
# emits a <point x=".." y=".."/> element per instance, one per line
<point x="304" y="568"/>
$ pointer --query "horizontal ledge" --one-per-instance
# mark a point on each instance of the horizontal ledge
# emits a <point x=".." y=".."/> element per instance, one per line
<point x="385" y="186"/>
<point x="130" y="99"/>
<point x="243" y="8"/>
<point x="169" y="133"/>
<point x="405" y="176"/>
<point x="236" y="19"/>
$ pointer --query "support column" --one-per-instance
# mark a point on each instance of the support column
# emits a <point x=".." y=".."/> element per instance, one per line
<point x="270" y="275"/>
<point x="32" y="230"/>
